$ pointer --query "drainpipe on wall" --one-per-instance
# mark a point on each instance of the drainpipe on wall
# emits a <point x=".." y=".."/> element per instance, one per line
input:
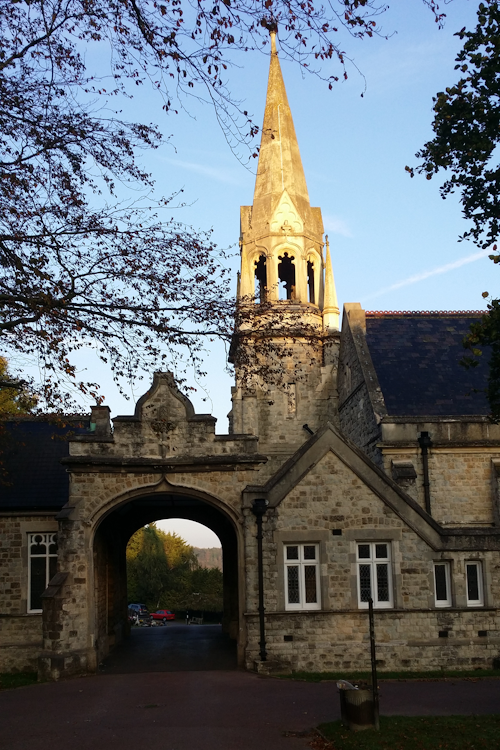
<point x="259" y="508"/>
<point x="425" y="443"/>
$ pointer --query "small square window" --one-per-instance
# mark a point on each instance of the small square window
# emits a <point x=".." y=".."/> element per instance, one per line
<point x="474" y="584"/>
<point x="309" y="552"/>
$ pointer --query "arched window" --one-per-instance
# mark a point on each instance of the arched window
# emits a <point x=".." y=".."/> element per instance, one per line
<point x="260" y="279"/>
<point x="286" y="274"/>
<point x="310" y="282"/>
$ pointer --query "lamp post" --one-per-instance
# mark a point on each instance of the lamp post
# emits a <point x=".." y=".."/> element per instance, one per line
<point x="259" y="508"/>
<point x="425" y="443"/>
<point x="375" y="695"/>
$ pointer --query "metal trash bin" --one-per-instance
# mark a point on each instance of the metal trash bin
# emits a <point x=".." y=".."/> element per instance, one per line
<point x="356" y="707"/>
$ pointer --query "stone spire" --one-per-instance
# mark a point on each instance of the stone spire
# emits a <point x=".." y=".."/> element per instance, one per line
<point x="286" y="359"/>
<point x="280" y="166"/>
<point x="281" y="234"/>
<point x="330" y="303"/>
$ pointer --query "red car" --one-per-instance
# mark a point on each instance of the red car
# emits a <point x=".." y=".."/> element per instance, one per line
<point x="163" y="615"/>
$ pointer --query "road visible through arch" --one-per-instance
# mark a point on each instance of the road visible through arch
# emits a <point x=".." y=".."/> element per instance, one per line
<point x="174" y="647"/>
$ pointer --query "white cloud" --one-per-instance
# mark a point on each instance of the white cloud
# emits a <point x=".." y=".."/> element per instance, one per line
<point x="214" y="173"/>
<point x="192" y="532"/>
<point x="336" y="225"/>
<point x="427" y="274"/>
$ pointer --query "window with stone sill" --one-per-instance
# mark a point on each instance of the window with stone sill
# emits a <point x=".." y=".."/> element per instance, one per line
<point x="374" y="574"/>
<point x="302" y="590"/>
<point x="442" y="584"/>
<point x="474" y="583"/>
<point x="42" y="565"/>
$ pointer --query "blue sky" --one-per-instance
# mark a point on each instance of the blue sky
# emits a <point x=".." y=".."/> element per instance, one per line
<point x="394" y="241"/>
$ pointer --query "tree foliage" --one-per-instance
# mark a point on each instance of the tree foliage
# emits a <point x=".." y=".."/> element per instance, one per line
<point x="486" y="333"/>
<point x="163" y="571"/>
<point x="15" y="397"/>
<point x="81" y="262"/>
<point x="467" y="129"/>
<point x="465" y="146"/>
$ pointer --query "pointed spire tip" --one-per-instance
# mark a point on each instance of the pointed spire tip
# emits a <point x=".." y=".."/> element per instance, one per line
<point x="272" y="34"/>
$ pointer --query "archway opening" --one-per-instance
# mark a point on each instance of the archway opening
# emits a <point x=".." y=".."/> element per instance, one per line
<point x="179" y="646"/>
<point x="286" y="274"/>
<point x="310" y="282"/>
<point x="174" y="567"/>
<point x="260" y="279"/>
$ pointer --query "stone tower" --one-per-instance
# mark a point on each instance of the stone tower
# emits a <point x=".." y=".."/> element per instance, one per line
<point x="285" y="348"/>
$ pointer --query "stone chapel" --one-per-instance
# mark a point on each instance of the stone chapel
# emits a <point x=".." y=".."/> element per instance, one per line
<point x="360" y="463"/>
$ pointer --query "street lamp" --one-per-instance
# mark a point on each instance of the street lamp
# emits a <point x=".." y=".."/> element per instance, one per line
<point x="259" y="508"/>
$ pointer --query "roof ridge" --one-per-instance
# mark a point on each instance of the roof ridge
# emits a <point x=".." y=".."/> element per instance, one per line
<point x="381" y="313"/>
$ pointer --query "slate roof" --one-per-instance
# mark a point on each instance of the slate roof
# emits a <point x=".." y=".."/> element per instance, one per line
<point x="30" y="453"/>
<point x="416" y="357"/>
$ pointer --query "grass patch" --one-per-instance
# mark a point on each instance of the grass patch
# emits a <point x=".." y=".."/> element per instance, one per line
<point x="366" y="676"/>
<point x="17" y="679"/>
<point x="419" y="733"/>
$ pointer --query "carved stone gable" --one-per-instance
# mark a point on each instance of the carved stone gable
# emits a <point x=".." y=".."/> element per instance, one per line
<point x="285" y="217"/>
<point x="164" y="406"/>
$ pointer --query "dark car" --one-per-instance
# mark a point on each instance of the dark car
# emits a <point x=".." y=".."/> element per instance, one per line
<point x="139" y="614"/>
<point x="163" y="615"/>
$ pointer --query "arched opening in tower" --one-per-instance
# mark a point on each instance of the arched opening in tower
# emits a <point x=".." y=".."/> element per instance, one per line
<point x="286" y="274"/>
<point x="260" y="279"/>
<point x="310" y="282"/>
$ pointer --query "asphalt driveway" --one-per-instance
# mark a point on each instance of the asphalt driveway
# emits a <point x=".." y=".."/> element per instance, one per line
<point x="173" y="647"/>
<point x="206" y="709"/>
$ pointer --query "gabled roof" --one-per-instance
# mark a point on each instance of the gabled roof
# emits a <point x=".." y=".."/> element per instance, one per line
<point x="30" y="455"/>
<point x="329" y="438"/>
<point x="417" y="360"/>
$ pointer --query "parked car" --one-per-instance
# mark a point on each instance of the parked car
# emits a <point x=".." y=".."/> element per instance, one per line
<point x="163" y="615"/>
<point x="139" y="614"/>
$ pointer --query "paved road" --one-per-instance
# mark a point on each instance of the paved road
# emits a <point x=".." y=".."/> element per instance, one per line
<point x="203" y="710"/>
<point x="173" y="647"/>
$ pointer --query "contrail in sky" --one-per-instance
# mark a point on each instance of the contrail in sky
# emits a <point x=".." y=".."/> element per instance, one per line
<point x="434" y="272"/>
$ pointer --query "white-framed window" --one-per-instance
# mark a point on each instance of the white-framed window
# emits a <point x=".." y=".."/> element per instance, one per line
<point x="474" y="583"/>
<point x="302" y="576"/>
<point x="374" y="574"/>
<point x="442" y="584"/>
<point x="42" y="558"/>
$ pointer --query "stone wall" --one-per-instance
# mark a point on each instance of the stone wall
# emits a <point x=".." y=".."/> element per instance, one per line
<point x="357" y="388"/>
<point x="461" y="484"/>
<point x="409" y="641"/>
<point x="20" y="631"/>
<point x="330" y="497"/>
<point x="300" y="388"/>
<point x="463" y="478"/>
